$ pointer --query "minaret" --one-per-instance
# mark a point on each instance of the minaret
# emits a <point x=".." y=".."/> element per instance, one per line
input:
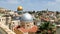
<point x="47" y="10"/>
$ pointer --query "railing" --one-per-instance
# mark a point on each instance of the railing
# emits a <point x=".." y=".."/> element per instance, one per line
<point x="6" y="29"/>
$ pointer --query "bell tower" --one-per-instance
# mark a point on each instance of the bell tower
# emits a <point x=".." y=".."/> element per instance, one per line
<point x="27" y="21"/>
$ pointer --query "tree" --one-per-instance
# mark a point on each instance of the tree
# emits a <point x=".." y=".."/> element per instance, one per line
<point x="57" y="12"/>
<point x="47" y="28"/>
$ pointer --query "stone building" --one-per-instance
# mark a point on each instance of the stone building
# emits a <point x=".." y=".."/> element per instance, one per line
<point x="14" y="23"/>
<point x="26" y="26"/>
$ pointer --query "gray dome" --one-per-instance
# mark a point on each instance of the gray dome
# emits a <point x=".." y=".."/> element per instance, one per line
<point x="27" y="17"/>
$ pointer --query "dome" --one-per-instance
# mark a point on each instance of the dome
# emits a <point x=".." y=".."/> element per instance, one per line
<point x="27" y="17"/>
<point x="19" y="8"/>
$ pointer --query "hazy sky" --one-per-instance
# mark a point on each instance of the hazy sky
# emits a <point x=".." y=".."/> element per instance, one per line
<point x="31" y="4"/>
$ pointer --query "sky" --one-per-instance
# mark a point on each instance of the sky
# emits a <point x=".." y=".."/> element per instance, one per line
<point x="29" y="5"/>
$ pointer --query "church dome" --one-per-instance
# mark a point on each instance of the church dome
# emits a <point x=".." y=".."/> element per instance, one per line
<point x="27" y="17"/>
<point x="19" y="8"/>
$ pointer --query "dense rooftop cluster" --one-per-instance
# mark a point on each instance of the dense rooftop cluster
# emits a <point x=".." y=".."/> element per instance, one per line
<point x="12" y="18"/>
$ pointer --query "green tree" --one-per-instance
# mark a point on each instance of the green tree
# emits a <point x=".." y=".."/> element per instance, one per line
<point x="47" y="28"/>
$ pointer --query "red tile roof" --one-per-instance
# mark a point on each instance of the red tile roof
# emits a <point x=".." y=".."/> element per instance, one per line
<point x="33" y="29"/>
<point x="46" y="19"/>
<point x="22" y="29"/>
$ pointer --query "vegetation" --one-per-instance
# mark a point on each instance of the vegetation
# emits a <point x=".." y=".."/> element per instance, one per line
<point x="47" y="28"/>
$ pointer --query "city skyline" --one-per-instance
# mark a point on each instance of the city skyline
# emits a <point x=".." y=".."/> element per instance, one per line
<point x="31" y="4"/>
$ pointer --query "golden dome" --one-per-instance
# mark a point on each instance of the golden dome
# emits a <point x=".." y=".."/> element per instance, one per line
<point x="19" y="8"/>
